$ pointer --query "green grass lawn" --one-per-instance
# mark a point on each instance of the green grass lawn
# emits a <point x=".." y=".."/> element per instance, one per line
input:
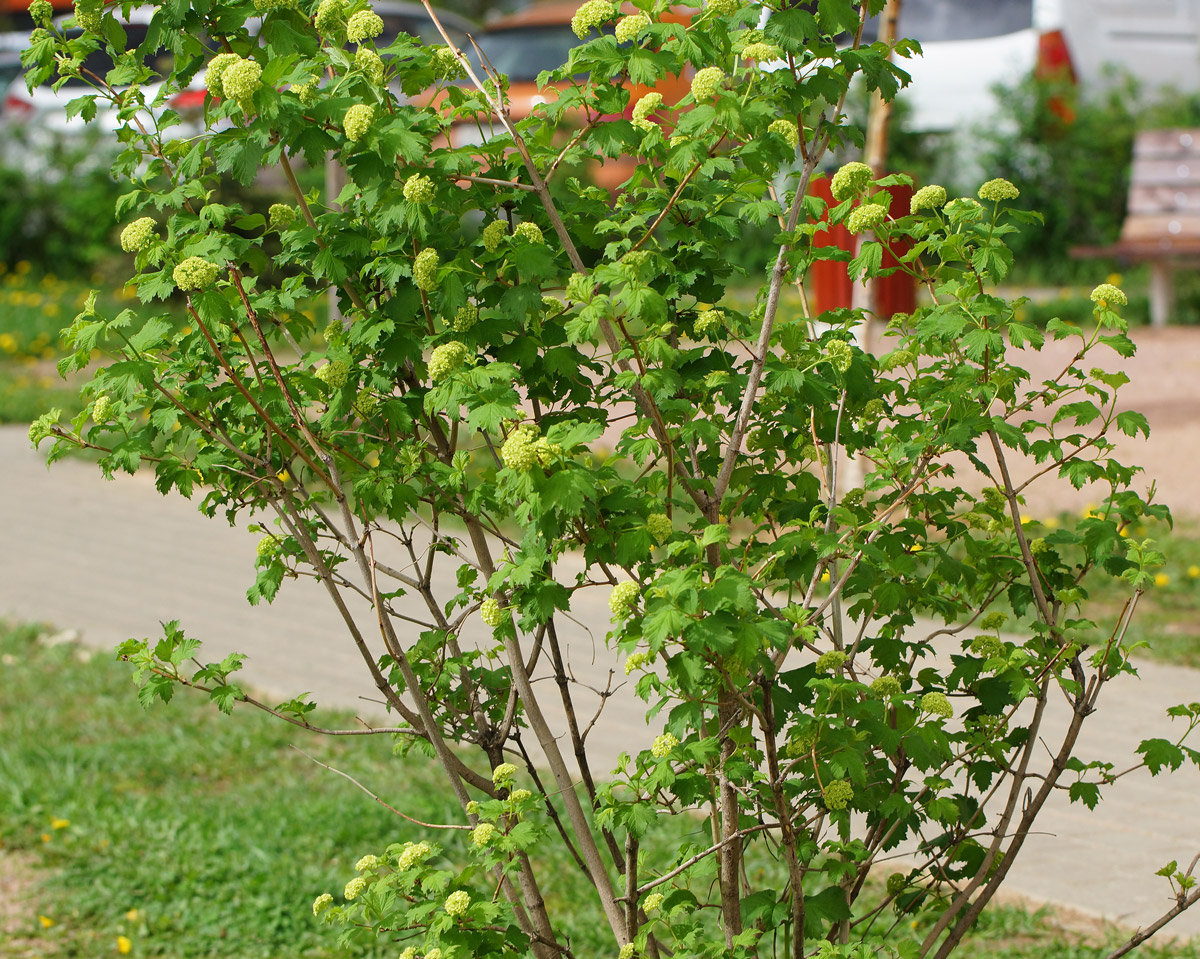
<point x="193" y="834"/>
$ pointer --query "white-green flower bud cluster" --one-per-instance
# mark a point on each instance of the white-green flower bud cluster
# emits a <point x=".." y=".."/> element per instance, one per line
<point x="710" y="322"/>
<point x="355" y="887"/>
<point x="492" y="234"/>
<point x="530" y="232"/>
<point x="321" y="903"/>
<point x="662" y="745"/>
<point x="932" y="197"/>
<point x="413" y="853"/>
<point x="831" y="661"/>
<point x="446" y="66"/>
<point x="635" y="661"/>
<point x="368" y="863"/>
<point x="215" y="72"/>
<point x="579" y="288"/>
<point x="627" y="951"/>
<point x="866" y="217"/>
<point x="850" y="180"/>
<point x="1105" y="295"/>
<point x="457" y="903"/>
<point x="266" y="547"/>
<point x="282" y="217"/>
<point x="491" y="612"/>
<point x="724" y="8"/>
<point x="483" y="834"/>
<point x="195" y="273"/>
<point x="659" y="526"/>
<point x="629" y="27"/>
<point x="447" y="359"/>
<point x="839" y="354"/>
<point x="370" y="65"/>
<point x="264" y="6"/>
<point x="837" y="794"/>
<point x="761" y="52"/>
<point x="998" y="189"/>
<point x="331" y="17"/>
<point x="41" y="12"/>
<point x="520" y="451"/>
<point x="622" y="598"/>
<point x="89" y="15"/>
<point x="787" y="130"/>
<point x="307" y="91"/>
<point x="886" y="686"/>
<point x="937" y="704"/>
<point x="425" y="268"/>
<point x="504" y="774"/>
<point x="365" y="405"/>
<point x="335" y="374"/>
<point x="707" y="82"/>
<point x="358" y="121"/>
<point x="101" y="409"/>
<point x="241" y="80"/>
<point x="419" y="189"/>
<point x="466" y="317"/>
<point x="364" y="25"/>
<point x="591" y="15"/>
<point x="138" y="234"/>
<point x="652" y="902"/>
<point x="644" y="107"/>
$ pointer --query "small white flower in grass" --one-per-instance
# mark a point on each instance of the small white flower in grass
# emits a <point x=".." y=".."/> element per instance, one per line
<point x="139" y="234"/>
<point x="707" y="82"/>
<point x="622" y="598"/>
<point x="457" y="903"/>
<point x="662" y="745"/>
<point x="364" y="25"/>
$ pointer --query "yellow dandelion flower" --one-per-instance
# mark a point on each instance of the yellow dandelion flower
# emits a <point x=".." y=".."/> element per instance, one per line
<point x="57" y="823"/>
<point x="1193" y="572"/>
<point x="45" y="837"/>
<point x="825" y="576"/>
<point x="132" y="915"/>
<point x="1161" y="579"/>
<point x="124" y="945"/>
<point x="46" y="921"/>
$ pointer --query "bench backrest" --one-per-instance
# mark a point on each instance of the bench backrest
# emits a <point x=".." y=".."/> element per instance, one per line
<point x="1164" y="190"/>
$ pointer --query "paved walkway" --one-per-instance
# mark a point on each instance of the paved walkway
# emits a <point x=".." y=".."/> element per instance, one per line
<point x="114" y="559"/>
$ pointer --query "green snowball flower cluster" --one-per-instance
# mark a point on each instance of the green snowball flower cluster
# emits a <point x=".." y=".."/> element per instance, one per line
<point x="482" y="834"/>
<point x="102" y="409"/>
<point x="989" y="647"/>
<point x="331" y="17"/>
<point x="629" y="27"/>
<point x="504" y="774"/>
<point x="368" y="863"/>
<point x="804" y="742"/>
<point x="644" y="107"/>
<point x="358" y="121"/>
<point x="659" y="526"/>
<point x="937" y="704"/>
<point x="706" y="83"/>
<point x="1105" y="296"/>
<point x="88" y="16"/>
<point x="622" y="598"/>
<point x="491" y="613"/>
<point x="334" y="374"/>
<point x="993" y="620"/>
<point x="866" y="217"/>
<point x="837" y="794"/>
<point x="530" y="232"/>
<point x="886" y="686"/>
<point x="321" y="903"/>
<point x="446" y="359"/>
<point x="787" y="130"/>
<point x="627" y="951"/>
<point x="840" y="355"/>
<point x="932" y="197"/>
<point x="264" y="6"/>
<point x="214" y="74"/>
<point x="307" y="91"/>
<point x="446" y="66"/>
<point x="419" y="189"/>
<point x="266" y="547"/>
<point x="282" y="217"/>
<point x="466" y="317"/>
<point x="519" y="451"/>
<point x="138" y="234"/>
<point x="457" y="903"/>
<point x="896" y="883"/>
<point x="241" y="80"/>
<point x="998" y="189"/>
<point x="635" y="661"/>
<point x="41" y="12"/>
<point x="653" y="902"/>
<point x="591" y="15"/>
<point x="724" y="8"/>
<point x="413" y="853"/>
<point x="830" y="661"/>
<point x="364" y="25"/>
<point x="365" y="405"/>
<point x="425" y="267"/>
<point x="195" y="273"/>
<point x="370" y="65"/>
<point x="895" y="360"/>
<point x="662" y="745"/>
<point x="579" y="288"/>
<point x="520" y="795"/>
<point x="850" y="180"/>
<point x="355" y="887"/>
<point x="761" y="52"/>
<point x="710" y="322"/>
<point x="492" y="234"/>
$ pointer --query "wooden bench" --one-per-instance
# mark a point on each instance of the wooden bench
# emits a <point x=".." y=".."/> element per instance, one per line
<point x="1162" y="222"/>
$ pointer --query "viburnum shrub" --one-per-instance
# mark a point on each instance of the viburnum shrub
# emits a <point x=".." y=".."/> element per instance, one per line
<point x="837" y="672"/>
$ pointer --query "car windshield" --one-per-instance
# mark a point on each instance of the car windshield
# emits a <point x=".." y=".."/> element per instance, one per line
<point x="99" y="63"/>
<point x="522" y="53"/>
<point x="933" y="21"/>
